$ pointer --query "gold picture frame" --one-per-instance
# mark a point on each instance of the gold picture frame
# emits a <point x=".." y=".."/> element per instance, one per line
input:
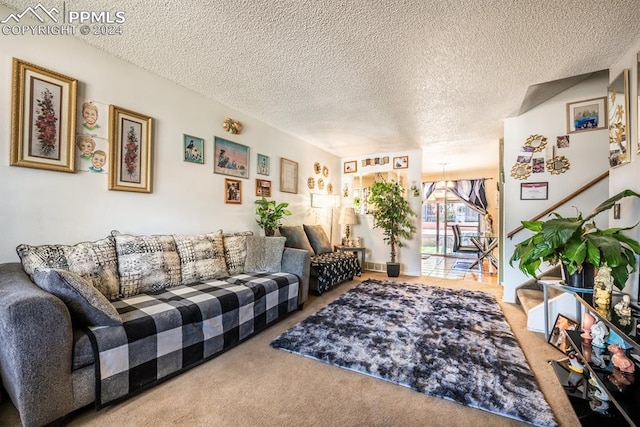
<point x="288" y="176"/>
<point x="233" y="191"/>
<point x="43" y="118"/>
<point x="618" y="111"/>
<point x="130" y="145"/>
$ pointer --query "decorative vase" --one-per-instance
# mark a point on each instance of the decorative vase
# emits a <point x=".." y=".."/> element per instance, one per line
<point x="602" y="291"/>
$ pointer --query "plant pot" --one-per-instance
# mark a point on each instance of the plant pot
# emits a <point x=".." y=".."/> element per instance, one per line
<point x="269" y="232"/>
<point x="393" y="269"/>
<point x="582" y="279"/>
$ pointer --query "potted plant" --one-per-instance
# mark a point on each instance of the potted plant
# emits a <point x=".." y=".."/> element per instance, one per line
<point x="270" y="214"/>
<point x="579" y="245"/>
<point x="392" y="214"/>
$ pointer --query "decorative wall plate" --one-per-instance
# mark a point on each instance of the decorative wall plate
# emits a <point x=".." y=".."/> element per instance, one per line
<point x="538" y="142"/>
<point x="558" y="165"/>
<point x="521" y="170"/>
<point x="321" y="184"/>
<point x="311" y="183"/>
<point x="316" y="167"/>
<point x="329" y="188"/>
<point x="325" y="171"/>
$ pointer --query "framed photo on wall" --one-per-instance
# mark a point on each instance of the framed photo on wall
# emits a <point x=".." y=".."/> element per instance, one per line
<point x="401" y="162"/>
<point x="230" y="158"/>
<point x="558" y="337"/>
<point x="534" y="191"/>
<point x="263" y="188"/>
<point x="288" y="176"/>
<point x="233" y="191"/>
<point x="129" y="150"/>
<point x="350" y="167"/>
<point x="588" y="115"/>
<point x="263" y="164"/>
<point x="43" y="118"/>
<point x="193" y="149"/>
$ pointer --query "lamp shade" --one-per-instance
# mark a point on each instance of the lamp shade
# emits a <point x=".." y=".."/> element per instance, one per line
<point x="348" y="217"/>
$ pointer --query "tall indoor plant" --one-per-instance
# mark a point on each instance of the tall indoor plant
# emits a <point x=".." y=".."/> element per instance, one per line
<point x="577" y="242"/>
<point x="270" y="215"/>
<point x="392" y="214"/>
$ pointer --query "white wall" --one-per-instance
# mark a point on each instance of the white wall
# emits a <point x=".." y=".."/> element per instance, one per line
<point x="41" y="207"/>
<point x="378" y="251"/>
<point x="588" y="157"/>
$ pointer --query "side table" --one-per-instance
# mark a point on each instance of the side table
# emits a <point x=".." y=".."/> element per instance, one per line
<point x="358" y="250"/>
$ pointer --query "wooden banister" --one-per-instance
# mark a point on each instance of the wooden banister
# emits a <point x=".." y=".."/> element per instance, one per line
<point x="561" y="202"/>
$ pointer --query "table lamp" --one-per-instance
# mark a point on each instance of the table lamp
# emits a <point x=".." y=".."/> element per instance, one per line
<point x="348" y="218"/>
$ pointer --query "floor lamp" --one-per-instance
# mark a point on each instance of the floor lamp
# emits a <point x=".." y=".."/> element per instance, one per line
<point x="326" y="201"/>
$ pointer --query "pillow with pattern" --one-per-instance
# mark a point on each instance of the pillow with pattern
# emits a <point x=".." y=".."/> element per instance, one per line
<point x="235" y="251"/>
<point x="201" y="256"/>
<point x="147" y="263"/>
<point x="93" y="261"/>
<point x="264" y="254"/>
<point x="86" y="305"/>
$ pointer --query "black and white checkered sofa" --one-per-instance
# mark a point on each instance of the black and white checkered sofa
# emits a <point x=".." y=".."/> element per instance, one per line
<point x="100" y="321"/>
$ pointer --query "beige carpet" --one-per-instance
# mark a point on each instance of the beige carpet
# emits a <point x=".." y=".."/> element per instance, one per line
<point x="255" y="385"/>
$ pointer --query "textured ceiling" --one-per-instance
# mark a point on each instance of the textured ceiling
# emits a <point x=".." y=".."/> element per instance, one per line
<point x="366" y="76"/>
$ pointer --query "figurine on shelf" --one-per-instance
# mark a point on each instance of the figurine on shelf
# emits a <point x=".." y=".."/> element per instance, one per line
<point x="602" y="290"/>
<point x="623" y="308"/>
<point x="574" y="363"/>
<point x="620" y="359"/>
<point x="597" y="357"/>
<point x="599" y="333"/>
<point x="620" y="379"/>
<point x="587" y="323"/>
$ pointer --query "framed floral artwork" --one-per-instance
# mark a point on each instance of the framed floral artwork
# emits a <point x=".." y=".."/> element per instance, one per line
<point x="193" y="149"/>
<point x="129" y="150"/>
<point x="233" y="191"/>
<point x="43" y="118"/>
<point x="288" y="176"/>
<point x="230" y="158"/>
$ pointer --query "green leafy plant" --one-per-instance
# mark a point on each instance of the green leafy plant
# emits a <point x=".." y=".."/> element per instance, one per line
<point x="576" y="241"/>
<point x="270" y="214"/>
<point x="392" y="213"/>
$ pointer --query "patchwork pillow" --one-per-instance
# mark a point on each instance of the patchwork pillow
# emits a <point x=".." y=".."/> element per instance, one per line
<point x="93" y="261"/>
<point x="264" y="254"/>
<point x="147" y="263"/>
<point x="86" y="305"/>
<point x="235" y="251"/>
<point x="296" y="238"/>
<point x="318" y="239"/>
<point x="201" y="256"/>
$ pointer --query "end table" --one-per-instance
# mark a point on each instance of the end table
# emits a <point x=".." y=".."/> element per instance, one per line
<point x="358" y="250"/>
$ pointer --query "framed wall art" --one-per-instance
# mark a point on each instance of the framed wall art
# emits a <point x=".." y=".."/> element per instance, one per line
<point x="263" y="164"/>
<point x="534" y="191"/>
<point x="130" y="150"/>
<point x="618" y="111"/>
<point x="193" y="149"/>
<point x="231" y="158"/>
<point x="350" y="167"/>
<point x="43" y="118"/>
<point x="288" y="176"/>
<point x="401" y="162"/>
<point x="233" y="191"/>
<point x="588" y="115"/>
<point x="263" y="188"/>
<point x="558" y="337"/>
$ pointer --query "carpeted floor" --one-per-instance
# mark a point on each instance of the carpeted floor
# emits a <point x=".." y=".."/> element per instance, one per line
<point x="256" y="385"/>
<point x="450" y="343"/>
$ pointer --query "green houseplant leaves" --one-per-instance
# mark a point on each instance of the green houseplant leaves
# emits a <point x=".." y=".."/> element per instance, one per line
<point x="270" y="214"/>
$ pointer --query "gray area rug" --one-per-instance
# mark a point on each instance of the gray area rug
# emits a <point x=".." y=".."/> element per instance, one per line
<point x="448" y="343"/>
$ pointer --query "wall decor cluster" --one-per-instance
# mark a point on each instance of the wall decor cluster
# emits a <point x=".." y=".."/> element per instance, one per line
<point x="43" y="118"/>
<point x="531" y="159"/>
<point x="232" y="126"/>
<point x="375" y="161"/>
<point x="231" y="158"/>
<point x="618" y="100"/>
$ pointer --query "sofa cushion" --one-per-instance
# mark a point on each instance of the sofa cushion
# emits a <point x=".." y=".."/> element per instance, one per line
<point x="318" y="239"/>
<point x="147" y="263"/>
<point x="296" y="238"/>
<point x="86" y="304"/>
<point x="235" y="251"/>
<point x="93" y="261"/>
<point x="264" y="254"/>
<point x="201" y="256"/>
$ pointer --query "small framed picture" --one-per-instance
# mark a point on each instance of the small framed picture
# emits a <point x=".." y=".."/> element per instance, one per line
<point x="350" y="167"/>
<point x="588" y="115"/>
<point x="263" y="188"/>
<point x="263" y="164"/>
<point x="288" y="176"/>
<point x="401" y="162"/>
<point x="233" y="191"/>
<point x="193" y="149"/>
<point x="558" y="337"/>
<point x="230" y="158"/>
<point x="534" y="191"/>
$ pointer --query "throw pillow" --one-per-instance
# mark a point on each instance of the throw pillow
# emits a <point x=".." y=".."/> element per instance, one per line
<point x="318" y="239"/>
<point x="147" y="263"/>
<point x="235" y="251"/>
<point x="86" y="304"/>
<point x="264" y="254"/>
<point x="201" y="257"/>
<point x="296" y="238"/>
<point x="93" y="261"/>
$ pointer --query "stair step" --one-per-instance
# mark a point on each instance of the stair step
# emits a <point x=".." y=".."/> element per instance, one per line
<point x="530" y="298"/>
